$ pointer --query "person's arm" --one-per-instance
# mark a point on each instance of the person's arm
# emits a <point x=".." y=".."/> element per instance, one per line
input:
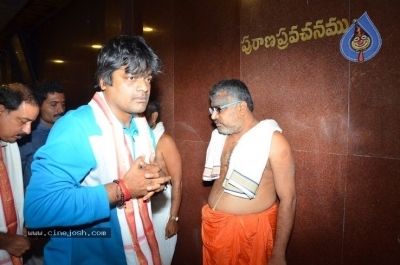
<point x="282" y="164"/>
<point x="55" y="196"/>
<point x="15" y="245"/>
<point x="167" y="148"/>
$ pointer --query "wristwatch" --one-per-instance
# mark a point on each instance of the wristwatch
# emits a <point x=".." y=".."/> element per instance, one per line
<point x="175" y="218"/>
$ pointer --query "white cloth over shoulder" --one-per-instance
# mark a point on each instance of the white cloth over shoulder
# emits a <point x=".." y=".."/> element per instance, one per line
<point x="247" y="162"/>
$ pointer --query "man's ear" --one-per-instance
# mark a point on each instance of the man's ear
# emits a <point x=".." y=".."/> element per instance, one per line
<point x="2" y="108"/>
<point x="102" y="84"/>
<point x="243" y="107"/>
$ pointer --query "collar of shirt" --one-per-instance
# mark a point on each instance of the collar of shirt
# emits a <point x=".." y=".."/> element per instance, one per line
<point x="132" y="130"/>
<point x="43" y="127"/>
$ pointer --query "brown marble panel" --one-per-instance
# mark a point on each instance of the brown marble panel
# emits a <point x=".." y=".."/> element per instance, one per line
<point x="195" y="194"/>
<point x="372" y="227"/>
<point x="318" y="230"/>
<point x="160" y="18"/>
<point x="374" y="87"/>
<point x="206" y="51"/>
<point x="304" y="85"/>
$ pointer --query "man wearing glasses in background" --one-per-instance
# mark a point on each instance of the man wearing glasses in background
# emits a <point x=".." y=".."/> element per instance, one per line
<point x="251" y="207"/>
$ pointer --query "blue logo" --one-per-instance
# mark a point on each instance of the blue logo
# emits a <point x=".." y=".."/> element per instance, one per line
<point x="361" y="41"/>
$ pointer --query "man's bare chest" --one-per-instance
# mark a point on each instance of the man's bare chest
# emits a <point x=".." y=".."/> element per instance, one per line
<point x="227" y="153"/>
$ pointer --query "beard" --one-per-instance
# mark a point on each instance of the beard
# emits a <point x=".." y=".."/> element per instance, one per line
<point x="229" y="129"/>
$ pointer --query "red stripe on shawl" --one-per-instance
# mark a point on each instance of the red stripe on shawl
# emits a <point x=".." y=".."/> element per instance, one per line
<point x="7" y="199"/>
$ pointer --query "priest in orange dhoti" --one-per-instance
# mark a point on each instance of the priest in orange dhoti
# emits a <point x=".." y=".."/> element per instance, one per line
<point x="251" y="206"/>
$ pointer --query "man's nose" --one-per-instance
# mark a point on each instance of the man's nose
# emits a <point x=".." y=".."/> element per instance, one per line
<point x="142" y="84"/>
<point x="214" y="115"/>
<point x="27" y="128"/>
<point x="60" y="108"/>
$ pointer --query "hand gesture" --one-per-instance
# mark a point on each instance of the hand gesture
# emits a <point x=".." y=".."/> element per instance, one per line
<point x="143" y="179"/>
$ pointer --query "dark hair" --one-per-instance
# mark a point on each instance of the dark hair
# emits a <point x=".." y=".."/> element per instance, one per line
<point x="12" y="96"/>
<point x="234" y="88"/>
<point x="42" y="90"/>
<point x="153" y="106"/>
<point x="126" y="50"/>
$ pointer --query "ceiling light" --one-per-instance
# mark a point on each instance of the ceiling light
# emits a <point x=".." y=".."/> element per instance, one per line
<point x="147" y="29"/>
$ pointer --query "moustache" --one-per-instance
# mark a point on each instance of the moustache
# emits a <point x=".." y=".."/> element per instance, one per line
<point x="58" y="115"/>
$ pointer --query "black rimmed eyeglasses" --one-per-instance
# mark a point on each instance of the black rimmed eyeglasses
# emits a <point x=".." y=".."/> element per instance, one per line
<point x="218" y="109"/>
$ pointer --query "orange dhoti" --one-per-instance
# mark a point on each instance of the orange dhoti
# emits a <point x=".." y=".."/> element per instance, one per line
<point x="237" y="239"/>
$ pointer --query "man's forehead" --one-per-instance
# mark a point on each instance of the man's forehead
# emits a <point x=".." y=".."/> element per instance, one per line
<point x="26" y="111"/>
<point x="137" y="71"/>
